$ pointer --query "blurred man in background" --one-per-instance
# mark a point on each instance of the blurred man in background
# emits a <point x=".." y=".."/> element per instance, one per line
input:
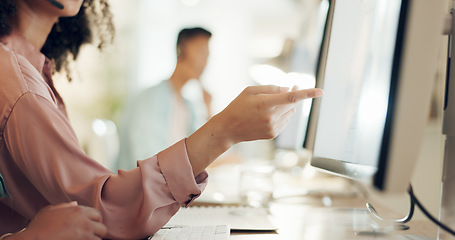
<point x="161" y="115"/>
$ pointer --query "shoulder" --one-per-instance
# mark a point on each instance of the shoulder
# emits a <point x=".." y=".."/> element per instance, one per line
<point x="11" y="78"/>
<point x="12" y="85"/>
<point x="162" y="88"/>
<point x="152" y="103"/>
<point x="157" y="96"/>
<point x="17" y="77"/>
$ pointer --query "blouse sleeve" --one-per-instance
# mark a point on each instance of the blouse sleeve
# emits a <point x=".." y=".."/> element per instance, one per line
<point x="134" y="203"/>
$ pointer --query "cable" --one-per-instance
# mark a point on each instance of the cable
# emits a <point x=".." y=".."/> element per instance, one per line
<point x="414" y="201"/>
<point x="433" y="219"/>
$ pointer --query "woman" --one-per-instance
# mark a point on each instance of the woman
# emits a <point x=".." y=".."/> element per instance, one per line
<point x="40" y="158"/>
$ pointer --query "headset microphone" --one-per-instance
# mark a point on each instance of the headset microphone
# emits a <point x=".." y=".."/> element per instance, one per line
<point x="56" y="4"/>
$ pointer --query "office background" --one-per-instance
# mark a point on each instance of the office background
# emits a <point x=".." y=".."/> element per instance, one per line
<point x="245" y="33"/>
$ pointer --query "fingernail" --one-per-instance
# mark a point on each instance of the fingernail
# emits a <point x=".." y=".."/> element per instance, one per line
<point x="319" y="94"/>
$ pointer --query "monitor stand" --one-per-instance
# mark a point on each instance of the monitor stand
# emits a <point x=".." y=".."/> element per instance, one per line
<point x="399" y="224"/>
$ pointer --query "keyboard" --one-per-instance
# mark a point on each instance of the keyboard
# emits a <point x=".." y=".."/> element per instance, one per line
<point x="238" y="218"/>
<point x="208" y="232"/>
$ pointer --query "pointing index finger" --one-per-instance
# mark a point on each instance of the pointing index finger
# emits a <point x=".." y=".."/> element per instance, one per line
<point x="267" y="89"/>
<point x="296" y="96"/>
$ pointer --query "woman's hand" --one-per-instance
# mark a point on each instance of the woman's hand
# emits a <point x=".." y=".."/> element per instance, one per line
<point x="262" y="112"/>
<point x="259" y="112"/>
<point x="65" y="221"/>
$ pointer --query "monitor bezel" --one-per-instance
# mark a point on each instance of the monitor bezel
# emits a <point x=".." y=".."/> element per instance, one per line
<point x="310" y="133"/>
<point x="306" y="141"/>
<point x="379" y="176"/>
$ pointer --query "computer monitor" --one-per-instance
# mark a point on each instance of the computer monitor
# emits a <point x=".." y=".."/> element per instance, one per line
<point x="377" y="77"/>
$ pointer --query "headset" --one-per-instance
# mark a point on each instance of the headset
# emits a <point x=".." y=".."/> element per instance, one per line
<point x="56" y="4"/>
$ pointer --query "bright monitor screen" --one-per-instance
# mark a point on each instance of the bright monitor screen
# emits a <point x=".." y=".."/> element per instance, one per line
<point x="357" y="81"/>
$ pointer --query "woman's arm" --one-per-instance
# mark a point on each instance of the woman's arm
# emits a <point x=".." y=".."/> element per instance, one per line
<point x="45" y="150"/>
<point x="133" y="203"/>
<point x="259" y="112"/>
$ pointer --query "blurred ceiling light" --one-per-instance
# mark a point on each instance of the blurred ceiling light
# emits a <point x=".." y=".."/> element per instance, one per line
<point x="102" y="127"/>
<point x="99" y="127"/>
<point x="269" y="75"/>
<point x="190" y="2"/>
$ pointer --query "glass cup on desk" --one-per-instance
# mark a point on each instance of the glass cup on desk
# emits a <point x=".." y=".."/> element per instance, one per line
<point x="256" y="186"/>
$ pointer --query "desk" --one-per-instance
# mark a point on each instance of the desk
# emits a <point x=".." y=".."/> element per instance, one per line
<point x="300" y="221"/>
<point x="306" y="217"/>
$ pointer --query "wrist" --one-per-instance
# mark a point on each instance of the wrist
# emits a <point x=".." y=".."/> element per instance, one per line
<point x="220" y="133"/>
<point x="208" y="143"/>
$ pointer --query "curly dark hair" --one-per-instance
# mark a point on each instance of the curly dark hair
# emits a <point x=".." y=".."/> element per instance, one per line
<point x="94" y="21"/>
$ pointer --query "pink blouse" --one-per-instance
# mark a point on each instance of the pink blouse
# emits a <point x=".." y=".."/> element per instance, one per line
<point x="42" y="163"/>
